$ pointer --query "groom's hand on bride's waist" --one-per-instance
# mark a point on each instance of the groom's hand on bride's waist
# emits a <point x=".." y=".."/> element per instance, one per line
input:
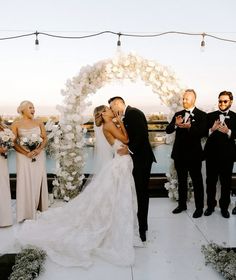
<point x="123" y="150"/>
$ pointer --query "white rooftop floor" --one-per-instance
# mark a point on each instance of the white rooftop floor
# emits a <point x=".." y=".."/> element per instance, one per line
<point x="173" y="249"/>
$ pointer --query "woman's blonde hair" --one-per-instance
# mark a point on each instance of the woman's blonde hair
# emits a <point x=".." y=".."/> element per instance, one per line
<point x="97" y="113"/>
<point x="1" y="124"/>
<point x="22" y="106"/>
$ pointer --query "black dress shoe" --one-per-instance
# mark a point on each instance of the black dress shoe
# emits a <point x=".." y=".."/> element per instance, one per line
<point x="208" y="212"/>
<point x="179" y="209"/>
<point x="225" y="213"/>
<point x="197" y="213"/>
<point x="234" y="211"/>
<point x="143" y="236"/>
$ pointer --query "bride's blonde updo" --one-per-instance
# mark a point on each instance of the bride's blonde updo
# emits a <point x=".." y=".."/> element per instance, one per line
<point x="97" y="113"/>
<point x="22" y="106"/>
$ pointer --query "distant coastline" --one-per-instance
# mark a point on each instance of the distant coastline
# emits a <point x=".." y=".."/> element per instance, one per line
<point x="52" y="111"/>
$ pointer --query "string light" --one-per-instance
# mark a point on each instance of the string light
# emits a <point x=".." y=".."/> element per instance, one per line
<point x="203" y="43"/>
<point x="203" y="35"/>
<point x="118" y="48"/>
<point x="119" y="42"/>
<point x="36" y="41"/>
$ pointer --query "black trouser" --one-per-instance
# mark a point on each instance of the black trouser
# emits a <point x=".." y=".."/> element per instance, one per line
<point x="194" y="170"/>
<point x="222" y="170"/>
<point x="141" y="173"/>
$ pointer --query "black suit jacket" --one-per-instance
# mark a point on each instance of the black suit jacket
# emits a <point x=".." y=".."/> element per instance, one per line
<point x="187" y="144"/>
<point x="137" y="129"/>
<point x="220" y="146"/>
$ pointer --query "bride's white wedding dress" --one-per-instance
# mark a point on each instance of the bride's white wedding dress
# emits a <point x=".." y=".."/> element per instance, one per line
<point x="101" y="221"/>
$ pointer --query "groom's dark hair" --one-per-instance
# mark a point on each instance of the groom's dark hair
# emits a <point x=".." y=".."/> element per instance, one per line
<point x="115" y="97"/>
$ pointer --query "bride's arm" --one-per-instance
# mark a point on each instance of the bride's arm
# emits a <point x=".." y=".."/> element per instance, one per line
<point x="110" y="129"/>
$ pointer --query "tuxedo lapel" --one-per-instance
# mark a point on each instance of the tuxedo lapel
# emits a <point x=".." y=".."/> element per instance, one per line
<point x="125" y="116"/>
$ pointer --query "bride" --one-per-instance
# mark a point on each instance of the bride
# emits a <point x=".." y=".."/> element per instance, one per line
<point x="101" y="220"/>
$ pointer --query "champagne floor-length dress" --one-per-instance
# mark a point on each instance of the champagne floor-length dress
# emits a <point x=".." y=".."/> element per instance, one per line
<point x="32" y="189"/>
<point x="5" y="195"/>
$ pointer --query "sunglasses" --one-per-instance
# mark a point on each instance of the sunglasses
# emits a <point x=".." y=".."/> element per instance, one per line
<point x="223" y="101"/>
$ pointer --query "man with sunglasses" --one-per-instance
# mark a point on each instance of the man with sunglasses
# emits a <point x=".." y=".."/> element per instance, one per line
<point x="220" y="153"/>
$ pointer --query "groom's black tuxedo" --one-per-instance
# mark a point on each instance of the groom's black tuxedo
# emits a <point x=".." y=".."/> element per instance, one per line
<point x="187" y="153"/>
<point x="187" y="145"/>
<point x="143" y="157"/>
<point x="220" y="153"/>
<point x="219" y="146"/>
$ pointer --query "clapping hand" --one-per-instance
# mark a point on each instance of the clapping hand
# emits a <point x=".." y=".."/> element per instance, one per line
<point x="216" y="125"/>
<point x="179" y="121"/>
<point x="223" y="128"/>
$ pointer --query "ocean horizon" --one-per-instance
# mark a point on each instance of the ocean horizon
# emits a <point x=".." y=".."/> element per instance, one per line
<point x="41" y="110"/>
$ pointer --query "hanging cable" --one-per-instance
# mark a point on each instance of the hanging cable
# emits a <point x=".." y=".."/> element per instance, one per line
<point x="119" y="35"/>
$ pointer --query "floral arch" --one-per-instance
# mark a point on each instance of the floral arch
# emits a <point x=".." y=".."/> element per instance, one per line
<point x="69" y="140"/>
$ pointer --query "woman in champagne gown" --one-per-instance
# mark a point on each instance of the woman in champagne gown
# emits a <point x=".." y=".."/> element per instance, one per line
<point x="102" y="219"/>
<point x="5" y="195"/>
<point x="31" y="189"/>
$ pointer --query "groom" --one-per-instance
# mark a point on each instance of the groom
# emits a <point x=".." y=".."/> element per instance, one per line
<point x="141" y="152"/>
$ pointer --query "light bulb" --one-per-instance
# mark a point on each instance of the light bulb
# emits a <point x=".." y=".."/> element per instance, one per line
<point x="203" y="44"/>
<point x="118" y="48"/>
<point x="36" y="41"/>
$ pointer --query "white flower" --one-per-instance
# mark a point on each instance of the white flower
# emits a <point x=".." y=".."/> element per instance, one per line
<point x="69" y="141"/>
<point x="5" y="138"/>
<point x="69" y="136"/>
<point x="69" y="127"/>
<point x="55" y="183"/>
<point x="78" y="158"/>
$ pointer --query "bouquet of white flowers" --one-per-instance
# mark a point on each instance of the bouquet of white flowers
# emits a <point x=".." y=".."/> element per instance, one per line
<point x="31" y="142"/>
<point x="6" y="140"/>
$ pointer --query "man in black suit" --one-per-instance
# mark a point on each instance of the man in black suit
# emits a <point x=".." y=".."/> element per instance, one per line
<point x="141" y="152"/>
<point x="220" y="153"/>
<point x="190" y="126"/>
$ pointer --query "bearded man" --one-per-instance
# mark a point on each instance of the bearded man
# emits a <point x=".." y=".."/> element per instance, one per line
<point x="220" y="153"/>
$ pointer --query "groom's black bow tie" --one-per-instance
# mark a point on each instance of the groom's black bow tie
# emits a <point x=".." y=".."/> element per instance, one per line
<point x="187" y="111"/>
<point x="223" y="113"/>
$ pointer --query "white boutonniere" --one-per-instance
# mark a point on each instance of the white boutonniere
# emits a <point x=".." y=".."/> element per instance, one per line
<point x="192" y="117"/>
<point x="223" y="117"/>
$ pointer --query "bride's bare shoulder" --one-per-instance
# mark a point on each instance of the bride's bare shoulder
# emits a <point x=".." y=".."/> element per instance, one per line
<point x="108" y="125"/>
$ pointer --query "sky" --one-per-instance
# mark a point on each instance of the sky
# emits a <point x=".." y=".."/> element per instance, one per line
<point x="40" y="75"/>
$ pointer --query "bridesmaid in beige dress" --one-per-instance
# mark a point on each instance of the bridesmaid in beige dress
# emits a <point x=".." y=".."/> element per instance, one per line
<point x="5" y="195"/>
<point x="32" y="190"/>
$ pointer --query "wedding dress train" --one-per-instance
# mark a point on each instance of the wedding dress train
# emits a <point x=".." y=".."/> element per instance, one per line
<point x="101" y="220"/>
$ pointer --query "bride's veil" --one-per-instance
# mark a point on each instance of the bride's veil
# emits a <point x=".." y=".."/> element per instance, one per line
<point x="102" y="153"/>
<point x="102" y="150"/>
